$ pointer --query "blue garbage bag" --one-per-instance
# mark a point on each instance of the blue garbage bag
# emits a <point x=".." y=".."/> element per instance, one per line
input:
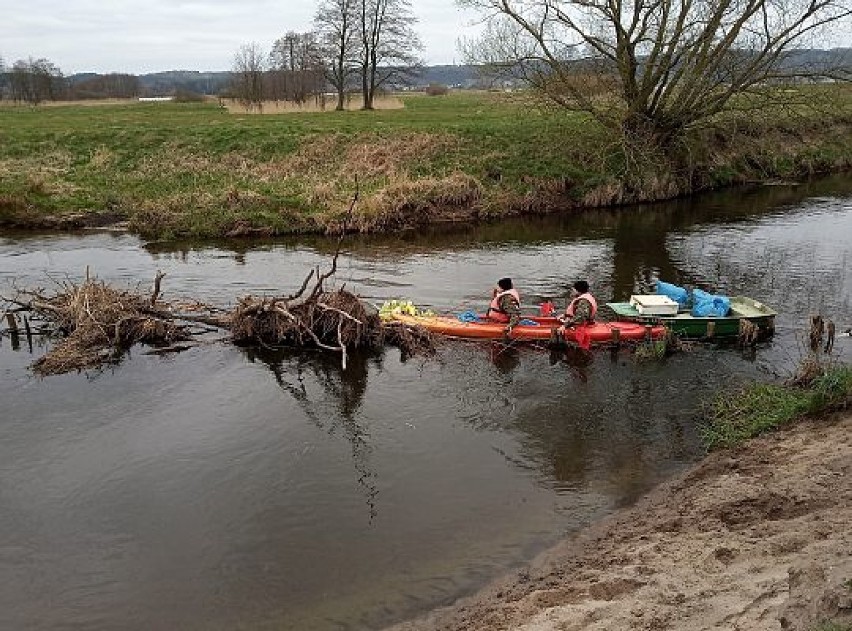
<point x="706" y="305"/>
<point x="676" y="293"/>
<point x="468" y="316"/>
<point x="527" y="322"/>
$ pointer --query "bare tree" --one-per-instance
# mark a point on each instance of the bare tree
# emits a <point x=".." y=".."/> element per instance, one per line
<point x="113" y="85"/>
<point x="3" y="78"/>
<point x="247" y="79"/>
<point x="656" y="68"/>
<point x="34" y="81"/>
<point x="389" y="46"/>
<point x="296" y="68"/>
<point x="336" y="23"/>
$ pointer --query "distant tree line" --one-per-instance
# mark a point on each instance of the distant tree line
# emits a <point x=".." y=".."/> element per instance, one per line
<point x="31" y="81"/>
<point x="355" y="45"/>
<point x="34" y="81"/>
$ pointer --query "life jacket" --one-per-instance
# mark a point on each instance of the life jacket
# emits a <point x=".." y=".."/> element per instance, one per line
<point x="573" y="306"/>
<point x="494" y="310"/>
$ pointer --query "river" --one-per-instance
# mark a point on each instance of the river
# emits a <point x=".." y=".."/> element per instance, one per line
<point x="227" y="488"/>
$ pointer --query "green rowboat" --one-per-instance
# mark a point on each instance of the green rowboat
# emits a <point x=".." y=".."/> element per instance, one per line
<point x="686" y="325"/>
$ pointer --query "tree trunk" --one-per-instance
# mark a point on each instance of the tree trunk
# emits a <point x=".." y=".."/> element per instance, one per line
<point x="643" y="130"/>
<point x="365" y="88"/>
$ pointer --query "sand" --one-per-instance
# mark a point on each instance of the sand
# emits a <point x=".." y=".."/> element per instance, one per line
<point x="756" y="538"/>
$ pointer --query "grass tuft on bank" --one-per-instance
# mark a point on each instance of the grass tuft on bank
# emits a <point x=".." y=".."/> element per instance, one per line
<point x="757" y="408"/>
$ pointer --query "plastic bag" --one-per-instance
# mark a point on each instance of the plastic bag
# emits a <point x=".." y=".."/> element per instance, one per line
<point x="676" y="293"/>
<point x="706" y="305"/>
<point x="469" y="316"/>
<point x="401" y="307"/>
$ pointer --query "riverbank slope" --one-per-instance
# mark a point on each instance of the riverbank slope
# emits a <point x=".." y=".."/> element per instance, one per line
<point x="171" y="170"/>
<point x="753" y="538"/>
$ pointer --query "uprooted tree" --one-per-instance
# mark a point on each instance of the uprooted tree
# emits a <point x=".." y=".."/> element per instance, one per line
<point x="97" y="323"/>
<point x="655" y="69"/>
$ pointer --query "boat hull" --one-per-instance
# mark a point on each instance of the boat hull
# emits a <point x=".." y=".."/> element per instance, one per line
<point x="685" y="325"/>
<point x="547" y="328"/>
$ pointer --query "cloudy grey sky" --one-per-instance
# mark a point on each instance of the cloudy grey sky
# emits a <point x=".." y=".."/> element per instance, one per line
<point x="139" y="36"/>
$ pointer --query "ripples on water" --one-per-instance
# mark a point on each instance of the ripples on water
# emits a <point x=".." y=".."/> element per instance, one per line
<point x="227" y="488"/>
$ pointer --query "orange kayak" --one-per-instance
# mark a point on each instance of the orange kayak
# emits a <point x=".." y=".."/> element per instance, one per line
<point x="597" y="333"/>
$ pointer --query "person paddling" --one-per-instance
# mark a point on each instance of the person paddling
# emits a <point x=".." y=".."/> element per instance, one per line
<point x="582" y="308"/>
<point x="505" y="304"/>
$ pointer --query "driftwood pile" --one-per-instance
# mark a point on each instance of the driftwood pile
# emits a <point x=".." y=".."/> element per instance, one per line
<point x="97" y="323"/>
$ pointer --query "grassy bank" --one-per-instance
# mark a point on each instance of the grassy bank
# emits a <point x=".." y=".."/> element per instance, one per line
<point x="760" y="407"/>
<point x="195" y="170"/>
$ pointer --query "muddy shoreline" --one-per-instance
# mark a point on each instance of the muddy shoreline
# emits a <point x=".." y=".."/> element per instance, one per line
<point x="756" y="537"/>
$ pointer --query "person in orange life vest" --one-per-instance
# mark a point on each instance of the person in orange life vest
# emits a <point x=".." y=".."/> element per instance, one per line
<point x="582" y="308"/>
<point x="505" y="304"/>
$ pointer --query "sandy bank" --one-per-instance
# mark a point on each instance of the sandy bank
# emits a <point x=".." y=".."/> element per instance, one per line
<point x="758" y="538"/>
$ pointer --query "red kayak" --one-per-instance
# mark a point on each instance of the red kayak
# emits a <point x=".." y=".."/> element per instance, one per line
<point x="595" y="333"/>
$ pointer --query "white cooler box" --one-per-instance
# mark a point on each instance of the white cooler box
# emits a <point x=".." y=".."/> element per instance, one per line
<point x="654" y="305"/>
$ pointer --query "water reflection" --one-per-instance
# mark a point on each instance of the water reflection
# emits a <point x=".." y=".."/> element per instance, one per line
<point x="334" y="410"/>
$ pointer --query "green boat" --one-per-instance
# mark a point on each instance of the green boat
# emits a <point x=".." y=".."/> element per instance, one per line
<point x="747" y="318"/>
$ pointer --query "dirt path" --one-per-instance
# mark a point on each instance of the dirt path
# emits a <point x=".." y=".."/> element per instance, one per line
<point x="759" y="538"/>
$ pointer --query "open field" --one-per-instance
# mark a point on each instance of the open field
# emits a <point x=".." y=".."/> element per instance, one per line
<point x="193" y="169"/>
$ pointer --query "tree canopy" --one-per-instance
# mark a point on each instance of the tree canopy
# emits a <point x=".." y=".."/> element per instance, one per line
<point x="657" y="68"/>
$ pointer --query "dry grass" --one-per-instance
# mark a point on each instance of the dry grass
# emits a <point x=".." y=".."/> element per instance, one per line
<point x="374" y="156"/>
<point x="81" y="102"/>
<point x="607" y="194"/>
<point x="174" y="159"/>
<point x="48" y="164"/>
<point x="102" y="158"/>
<point x="288" y="107"/>
<point x="407" y="203"/>
<point x="99" y="323"/>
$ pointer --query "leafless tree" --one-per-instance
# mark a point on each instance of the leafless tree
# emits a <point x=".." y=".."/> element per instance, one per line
<point x="656" y="68"/>
<point x="296" y="68"/>
<point x="114" y="85"/>
<point x="247" y="78"/>
<point x="336" y="23"/>
<point x="389" y="46"/>
<point x="34" y="81"/>
<point x="2" y="78"/>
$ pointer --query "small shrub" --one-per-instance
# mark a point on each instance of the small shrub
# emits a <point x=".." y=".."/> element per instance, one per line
<point x="757" y="408"/>
<point x="187" y="96"/>
<point x="436" y="89"/>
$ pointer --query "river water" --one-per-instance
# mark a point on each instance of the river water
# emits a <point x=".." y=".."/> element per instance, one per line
<point x="225" y="488"/>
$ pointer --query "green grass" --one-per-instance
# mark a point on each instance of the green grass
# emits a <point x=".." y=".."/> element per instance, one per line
<point x="193" y="169"/>
<point x="759" y="407"/>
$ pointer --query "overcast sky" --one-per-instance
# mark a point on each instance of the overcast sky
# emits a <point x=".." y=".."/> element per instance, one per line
<point x="139" y="36"/>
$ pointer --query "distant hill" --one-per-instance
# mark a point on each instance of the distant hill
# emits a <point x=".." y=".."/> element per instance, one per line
<point x="162" y="83"/>
<point x="454" y="76"/>
<point x="214" y="82"/>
